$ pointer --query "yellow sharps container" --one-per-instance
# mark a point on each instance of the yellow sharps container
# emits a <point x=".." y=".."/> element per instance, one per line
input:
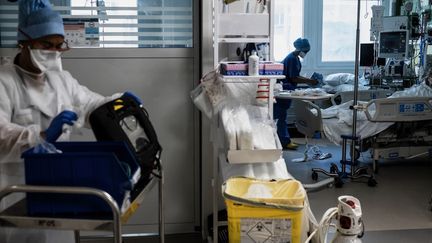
<point x="264" y="211"/>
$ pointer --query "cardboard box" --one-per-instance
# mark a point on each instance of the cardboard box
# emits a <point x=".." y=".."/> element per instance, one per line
<point x="273" y="68"/>
<point x="234" y="68"/>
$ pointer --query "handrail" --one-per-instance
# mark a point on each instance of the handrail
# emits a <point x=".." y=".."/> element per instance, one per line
<point x="71" y="190"/>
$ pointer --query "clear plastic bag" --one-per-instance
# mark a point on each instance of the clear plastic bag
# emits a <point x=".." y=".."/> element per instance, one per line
<point x="247" y="127"/>
<point x="215" y="90"/>
<point x="242" y="91"/>
<point x="44" y="147"/>
<point x="78" y="124"/>
<point x="237" y="127"/>
<point x="201" y="101"/>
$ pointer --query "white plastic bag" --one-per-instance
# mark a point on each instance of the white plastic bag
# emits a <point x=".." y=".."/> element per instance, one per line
<point x="336" y="79"/>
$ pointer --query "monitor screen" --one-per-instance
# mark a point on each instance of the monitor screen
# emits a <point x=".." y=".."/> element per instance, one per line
<point x="393" y="44"/>
<point x="367" y="56"/>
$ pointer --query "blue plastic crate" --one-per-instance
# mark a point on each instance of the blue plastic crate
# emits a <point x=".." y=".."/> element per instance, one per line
<point x="98" y="165"/>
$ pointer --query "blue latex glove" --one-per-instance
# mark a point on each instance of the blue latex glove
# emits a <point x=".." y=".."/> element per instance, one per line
<point x="318" y="77"/>
<point x="55" y="129"/>
<point x="133" y="96"/>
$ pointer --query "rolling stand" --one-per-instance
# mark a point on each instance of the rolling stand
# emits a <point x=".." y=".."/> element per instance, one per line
<point x="355" y="173"/>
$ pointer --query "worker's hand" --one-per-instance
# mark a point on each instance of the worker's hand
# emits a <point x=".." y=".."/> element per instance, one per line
<point x="55" y="129"/>
<point x="314" y="82"/>
<point x="133" y="96"/>
<point x="317" y="78"/>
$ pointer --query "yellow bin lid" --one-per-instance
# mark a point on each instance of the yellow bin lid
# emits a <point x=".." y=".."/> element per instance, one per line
<point x="287" y="194"/>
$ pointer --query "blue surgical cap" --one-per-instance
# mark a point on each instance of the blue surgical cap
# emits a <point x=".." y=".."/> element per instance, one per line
<point x="37" y="19"/>
<point x="302" y="45"/>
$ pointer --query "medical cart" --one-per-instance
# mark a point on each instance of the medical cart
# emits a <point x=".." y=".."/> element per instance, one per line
<point x="16" y="215"/>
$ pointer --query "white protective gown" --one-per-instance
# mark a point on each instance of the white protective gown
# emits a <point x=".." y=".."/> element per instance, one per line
<point x="27" y="107"/>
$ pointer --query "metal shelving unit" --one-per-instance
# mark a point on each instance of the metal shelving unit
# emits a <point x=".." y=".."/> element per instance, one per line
<point x="239" y="156"/>
<point x="231" y="29"/>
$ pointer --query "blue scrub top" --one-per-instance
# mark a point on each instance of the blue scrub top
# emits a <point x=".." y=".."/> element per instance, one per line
<point x="292" y="68"/>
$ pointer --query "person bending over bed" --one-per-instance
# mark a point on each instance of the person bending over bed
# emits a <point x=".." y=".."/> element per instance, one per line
<point x="292" y="69"/>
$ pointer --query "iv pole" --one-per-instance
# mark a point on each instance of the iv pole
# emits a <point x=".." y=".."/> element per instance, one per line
<point x="356" y="77"/>
<point x="355" y="173"/>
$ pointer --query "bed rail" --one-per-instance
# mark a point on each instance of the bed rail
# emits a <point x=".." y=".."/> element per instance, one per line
<point x="399" y="109"/>
<point x="308" y="117"/>
<point x="363" y="95"/>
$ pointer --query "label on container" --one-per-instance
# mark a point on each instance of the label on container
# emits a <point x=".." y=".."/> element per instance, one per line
<point x="260" y="230"/>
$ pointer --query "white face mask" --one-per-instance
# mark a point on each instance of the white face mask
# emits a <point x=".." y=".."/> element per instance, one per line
<point x="302" y="54"/>
<point x="46" y="60"/>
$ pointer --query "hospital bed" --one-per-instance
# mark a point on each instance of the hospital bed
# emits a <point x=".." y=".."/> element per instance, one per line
<point x="394" y="127"/>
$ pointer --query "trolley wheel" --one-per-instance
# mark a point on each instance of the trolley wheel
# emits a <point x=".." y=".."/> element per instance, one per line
<point x="363" y="171"/>
<point x="372" y="182"/>
<point x="356" y="154"/>
<point x="314" y="176"/>
<point x="338" y="182"/>
<point x="332" y="169"/>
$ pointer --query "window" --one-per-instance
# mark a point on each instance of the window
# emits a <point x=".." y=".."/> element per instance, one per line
<point x="339" y="25"/>
<point x="114" y="23"/>
<point x="288" y="26"/>
<point x="329" y="24"/>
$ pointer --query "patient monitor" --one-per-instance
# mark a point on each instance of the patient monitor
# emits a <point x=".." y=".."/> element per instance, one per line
<point x="393" y="44"/>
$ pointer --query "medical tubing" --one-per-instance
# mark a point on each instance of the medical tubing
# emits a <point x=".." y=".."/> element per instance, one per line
<point x="311" y="235"/>
<point x="324" y="224"/>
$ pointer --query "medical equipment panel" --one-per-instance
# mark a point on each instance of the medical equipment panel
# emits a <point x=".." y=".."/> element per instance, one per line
<point x="395" y="23"/>
<point x="367" y="56"/>
<point x="393" y="44"/>
<point x="400" y="109"/>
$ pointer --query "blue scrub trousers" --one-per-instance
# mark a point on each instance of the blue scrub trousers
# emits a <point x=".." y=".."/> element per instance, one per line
<point x="280" y="109"/>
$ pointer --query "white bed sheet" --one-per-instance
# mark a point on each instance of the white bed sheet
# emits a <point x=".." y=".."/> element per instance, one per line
<point x="337" y="120"/>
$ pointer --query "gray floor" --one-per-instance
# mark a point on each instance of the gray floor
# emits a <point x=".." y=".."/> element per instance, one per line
<point x="177" y="238"/>
<point x="396" y="210"/>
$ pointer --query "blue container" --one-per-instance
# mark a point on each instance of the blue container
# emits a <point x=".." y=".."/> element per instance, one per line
<point x="101" y="165"/>
<point x="273" y="72"/>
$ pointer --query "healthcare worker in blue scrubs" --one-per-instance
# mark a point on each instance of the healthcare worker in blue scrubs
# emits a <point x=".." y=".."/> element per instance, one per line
<point x="292" y="69"/>
<point x="38" y="98"/>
